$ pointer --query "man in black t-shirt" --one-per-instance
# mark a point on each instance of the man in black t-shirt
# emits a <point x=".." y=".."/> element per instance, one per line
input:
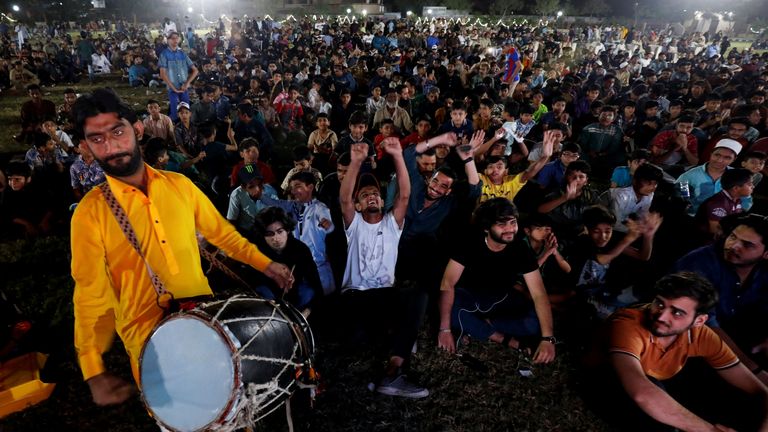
<point x="477" y="296"/>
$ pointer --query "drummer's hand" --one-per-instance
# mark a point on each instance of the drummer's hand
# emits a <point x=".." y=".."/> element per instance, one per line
<point x="108" y="389"/>
<point x="280" y="274"/>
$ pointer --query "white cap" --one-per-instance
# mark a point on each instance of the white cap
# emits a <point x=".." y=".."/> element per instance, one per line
<point x="728" y="143"/>
<point x="623" y="65"/>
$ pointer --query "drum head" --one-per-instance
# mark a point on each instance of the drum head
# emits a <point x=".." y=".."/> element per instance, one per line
<point x="187" y="373"/>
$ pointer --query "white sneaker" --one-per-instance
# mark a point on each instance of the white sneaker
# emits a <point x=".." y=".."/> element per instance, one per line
<point x="399" y="385"/>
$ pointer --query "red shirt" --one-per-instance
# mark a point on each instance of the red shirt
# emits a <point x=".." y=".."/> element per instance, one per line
<point x="266" y="172"/>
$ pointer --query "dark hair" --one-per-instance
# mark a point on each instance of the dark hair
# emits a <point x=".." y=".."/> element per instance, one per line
<point x="100" y="101"/>
<point x="512" y="108"/>
<point x="754" y="154"/>
<point x="713" y="97"/>
<point x="386" y="121"/>
<point x="578" y="165"/>
<point x="739" y="120"/>
<point x="154" y="149"/>
<point x="562" y="127"/>
<point x="677" y="102"/>
<point x="538" y="220"/>
<point x="301" y="153"/>
<point x="493" y="159"/>
<point x="427" y="152"/>
<point x="526" y="109"/>
<point x="69" y="90"/>
<point x="358" y="117"/>
<point x="33" y="87"/>
<point x="493" y="211"/>
<point x="686" y="118"/>
<point x="321" y="115"/>
<point x="18" y="168"/>
<point x="596" y="215"/>
<point x="688" y="284"/>
<point x="40" y="139"/>
<point x="735" y="177"/>
<point x="458" y="105"/>
<point x="247" y="143"/>
<point x="305" y="177"/>
<point x="448" y="172"/>
<point x="206" y="129"/>
<point x="152" y="101"/>
<point x="344" y="159"/>
<point x="245" y="109"/>
<point x="640" y="154"/>
<point x="572" y="147"/>
<point x="270" y="215"/>
<point x="648" y="172"/>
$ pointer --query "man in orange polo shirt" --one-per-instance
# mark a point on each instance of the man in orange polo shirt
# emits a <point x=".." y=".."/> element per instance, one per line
<point x="652" y="343"/>
<point x="113" y="288"/>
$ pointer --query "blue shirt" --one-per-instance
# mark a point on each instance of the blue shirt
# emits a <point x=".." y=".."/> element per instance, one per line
<point x="735" y="297"/>
<point x="418" y="220"/>
<point x="308" y="229"/>
<point x="136" y="73"/>
<point x="621" y="177"/>
<point x="701" y="185"/>
<point x="243" y="209"/>
<point x="551" y="175"/>
<point x="85" y="176"/>
<point x="176" y="64"/>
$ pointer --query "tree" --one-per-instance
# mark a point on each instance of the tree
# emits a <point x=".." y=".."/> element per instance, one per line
<point x="596" y="7"/>
<point x="546" y="7"/>
<point x="506" y="7"/>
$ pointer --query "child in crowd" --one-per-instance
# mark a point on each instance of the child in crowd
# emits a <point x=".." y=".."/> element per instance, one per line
<point x="290" y="111"/>
<point x="552" y="265"/>
<point x="23" y="207"/>
<point x="593" y="253"/>
<point x="622" y="175"/>
<point x="249" y="152"/>
<point x="737" y="185"/>
<point x="302" y="161"/>
<point x="245" y="201"/>
<point x="45" y="155"/>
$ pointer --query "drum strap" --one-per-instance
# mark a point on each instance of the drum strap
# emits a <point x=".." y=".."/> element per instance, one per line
<point x="162" y="293"/>
<point x="165" y="298"/>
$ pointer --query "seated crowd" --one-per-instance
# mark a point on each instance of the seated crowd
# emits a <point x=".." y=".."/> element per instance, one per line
<point x="407" y="175"/>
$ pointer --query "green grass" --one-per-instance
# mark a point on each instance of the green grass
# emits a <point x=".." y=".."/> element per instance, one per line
<point x="11" y="102"/>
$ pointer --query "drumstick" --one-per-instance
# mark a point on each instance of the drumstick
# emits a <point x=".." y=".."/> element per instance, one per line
<point x="290" y="277"/>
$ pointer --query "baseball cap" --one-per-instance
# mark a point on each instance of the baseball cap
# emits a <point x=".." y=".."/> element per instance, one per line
<point x="728" y="143"/>
<point x="248" y="173"/>
<point x="182" y="105"/>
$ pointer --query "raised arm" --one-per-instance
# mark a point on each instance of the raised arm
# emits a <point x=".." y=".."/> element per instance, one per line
<point x="483" y="148"/>
<point x="392" y="147"/>
<point x="547" y="147"/>
<point x="466" y="152"/>
<point x="358" y="152"/>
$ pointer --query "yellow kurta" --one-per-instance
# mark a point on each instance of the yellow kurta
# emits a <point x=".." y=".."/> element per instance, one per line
<point x="113" y="290"/>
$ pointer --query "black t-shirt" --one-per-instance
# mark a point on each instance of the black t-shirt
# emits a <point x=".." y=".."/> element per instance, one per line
<point x="489" y="272"/>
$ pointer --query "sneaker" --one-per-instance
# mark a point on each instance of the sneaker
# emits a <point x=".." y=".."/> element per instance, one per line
<point x="399" y="385"/>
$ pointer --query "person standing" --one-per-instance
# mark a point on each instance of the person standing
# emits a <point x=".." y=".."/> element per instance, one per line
<point x="177" y="71"/>
<point x="114" y="288"/>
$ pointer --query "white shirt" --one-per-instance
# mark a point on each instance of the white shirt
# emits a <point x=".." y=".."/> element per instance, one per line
<point x="372" y="253"/>
<point x="624" y="202"/>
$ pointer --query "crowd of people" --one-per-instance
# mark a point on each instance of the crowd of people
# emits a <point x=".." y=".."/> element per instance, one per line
<point x="513" y="185"/>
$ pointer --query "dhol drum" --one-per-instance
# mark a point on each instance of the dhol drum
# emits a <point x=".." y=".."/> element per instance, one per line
<point x="225" y="364"/>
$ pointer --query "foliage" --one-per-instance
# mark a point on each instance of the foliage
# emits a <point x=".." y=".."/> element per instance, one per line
<point x="457" y="4"/>
<point x="506" y="7"/>
<point x="546" y="7"/>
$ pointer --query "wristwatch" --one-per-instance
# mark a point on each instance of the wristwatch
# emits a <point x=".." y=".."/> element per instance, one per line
<point x="550" y="339"/>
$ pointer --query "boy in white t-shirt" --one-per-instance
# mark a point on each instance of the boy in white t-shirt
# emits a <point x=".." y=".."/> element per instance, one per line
<point x="373" y="237"/>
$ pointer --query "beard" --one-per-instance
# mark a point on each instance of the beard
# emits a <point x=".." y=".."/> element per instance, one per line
<point x="122" y="169"/>
<point x="501" y="239"/>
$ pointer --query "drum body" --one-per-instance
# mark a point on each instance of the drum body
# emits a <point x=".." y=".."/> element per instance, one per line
<point x="224" y="364"/>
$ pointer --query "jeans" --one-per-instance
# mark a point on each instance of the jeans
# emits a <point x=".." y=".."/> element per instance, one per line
<point x="481" y="315"/>
<point x="174" y="99"/>
<point x="304" y="292"/>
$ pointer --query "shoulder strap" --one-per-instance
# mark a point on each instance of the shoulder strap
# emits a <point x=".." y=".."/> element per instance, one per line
<point x="130" y="234"/>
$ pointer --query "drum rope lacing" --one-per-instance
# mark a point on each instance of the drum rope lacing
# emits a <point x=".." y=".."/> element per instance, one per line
<point x="257" y="395"/>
